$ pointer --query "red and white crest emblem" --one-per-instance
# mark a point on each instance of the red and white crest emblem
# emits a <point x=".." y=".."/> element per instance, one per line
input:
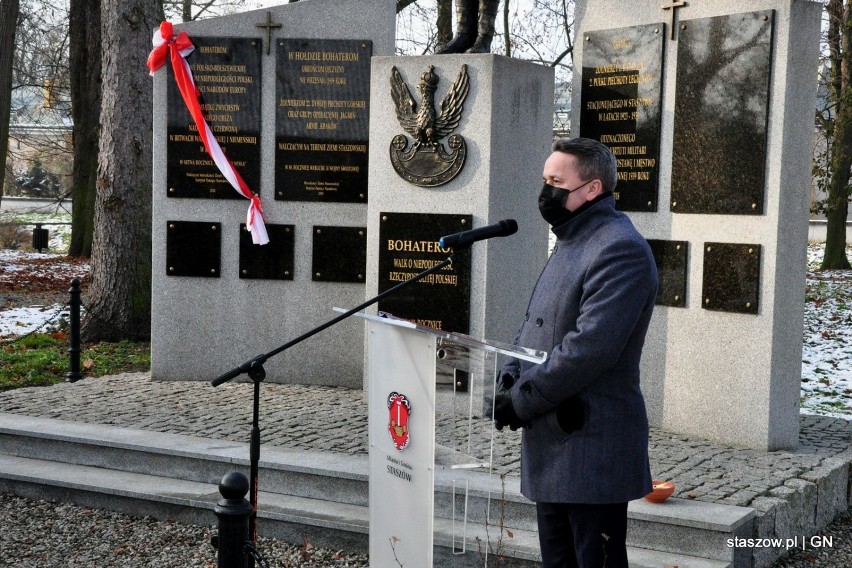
<point x="399" y="409"/>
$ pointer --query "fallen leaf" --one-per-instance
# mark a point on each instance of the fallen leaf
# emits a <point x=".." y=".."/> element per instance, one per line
<point x="88" y="364"/>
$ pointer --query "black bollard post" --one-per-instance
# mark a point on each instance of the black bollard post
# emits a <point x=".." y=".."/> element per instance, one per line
<point x="233" y="512"/>
<point x="74" y="349"/>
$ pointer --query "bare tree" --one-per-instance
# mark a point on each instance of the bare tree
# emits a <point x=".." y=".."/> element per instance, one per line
<point x="424" y="25"/>
<point x="119" y="305"/>
<point x="542" y="33"/>
<point x="190" y="10"/>
<point x="38" y="134"/>
<point x="834" y="122"/>
<point x="9" y="10"/>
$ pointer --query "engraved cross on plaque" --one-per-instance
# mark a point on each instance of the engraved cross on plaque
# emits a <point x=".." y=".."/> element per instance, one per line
<point x="673" y="6"/>
<point x="269" y="27"/>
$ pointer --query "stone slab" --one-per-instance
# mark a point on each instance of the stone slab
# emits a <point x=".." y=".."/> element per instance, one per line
<point x="732" y="378"/>
<point x="694" y="514"/>
<point x="506" y="122"/>
<point x="202" y="328"/>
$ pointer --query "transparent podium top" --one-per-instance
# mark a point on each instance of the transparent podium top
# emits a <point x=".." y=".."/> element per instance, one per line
<point x="515" y="351"/>
<point x="465" y="370"/>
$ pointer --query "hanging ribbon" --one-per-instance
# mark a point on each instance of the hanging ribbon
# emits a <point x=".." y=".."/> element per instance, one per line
<point x="165" y="44"/>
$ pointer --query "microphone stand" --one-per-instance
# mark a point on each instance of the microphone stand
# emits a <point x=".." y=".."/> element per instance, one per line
<point x="255" y="371"/>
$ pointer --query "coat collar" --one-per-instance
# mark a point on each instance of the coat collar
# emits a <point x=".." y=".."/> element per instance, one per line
<point x="603" y="205"/>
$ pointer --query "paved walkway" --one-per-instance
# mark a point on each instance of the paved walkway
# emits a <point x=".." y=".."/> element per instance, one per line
<point x="335" y="420"/>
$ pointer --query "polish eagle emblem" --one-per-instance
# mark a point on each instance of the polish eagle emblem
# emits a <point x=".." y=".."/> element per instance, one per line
<point x="426" y="162"/>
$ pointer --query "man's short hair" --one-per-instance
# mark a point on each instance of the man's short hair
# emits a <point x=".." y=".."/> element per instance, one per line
<point x="595" y="160"/>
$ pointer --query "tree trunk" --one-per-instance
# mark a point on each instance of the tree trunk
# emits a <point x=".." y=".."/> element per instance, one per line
<point x="445" y="21"/>
<point x="119" y="302"/>
<point x="506" y="36"/>
<point x="9" y="10"/>
<point x="835" y="238"/>
<point x="837" y="205"/>
<point x="85" y="55"/>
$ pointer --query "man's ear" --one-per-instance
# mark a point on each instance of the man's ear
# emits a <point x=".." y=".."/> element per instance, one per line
<point x="595" y="189"/>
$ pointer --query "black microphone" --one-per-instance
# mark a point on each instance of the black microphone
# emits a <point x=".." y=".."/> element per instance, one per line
<point x="464" y="239"/>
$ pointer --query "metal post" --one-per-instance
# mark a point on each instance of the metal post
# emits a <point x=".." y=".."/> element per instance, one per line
<point x="74" y="349"/>
<point x="233" y="512"/>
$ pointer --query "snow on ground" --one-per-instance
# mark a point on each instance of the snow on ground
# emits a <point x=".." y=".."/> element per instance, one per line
<point x="21" y="321"/>
<point x="827" y="337"/>
<point x="21" y="272"/>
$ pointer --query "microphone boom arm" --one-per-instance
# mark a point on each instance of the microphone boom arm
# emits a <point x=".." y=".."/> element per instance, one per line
<point x="255" y="364"/>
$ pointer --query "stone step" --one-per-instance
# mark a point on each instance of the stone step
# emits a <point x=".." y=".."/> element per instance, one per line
<point x="676" y="527"/>
<point x="290" y="518"/>
<point x="335" y="477"/>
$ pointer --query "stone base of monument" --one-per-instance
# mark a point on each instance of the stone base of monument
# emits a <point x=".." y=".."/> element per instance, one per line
<point x="322" y="497"/>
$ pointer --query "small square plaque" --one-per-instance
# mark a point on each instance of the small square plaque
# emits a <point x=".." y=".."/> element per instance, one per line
<point x="272" y="261"/>
<point x="193" y="248"/>
<point x="672" y="261"/>
<point x="731" y="278"/>
<point x="340" y="254"/>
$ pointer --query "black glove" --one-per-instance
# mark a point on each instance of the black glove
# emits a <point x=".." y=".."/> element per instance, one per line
<point x="505" y="382"/>
<point x="504" y="411"/>
<point x="569" y="414"/>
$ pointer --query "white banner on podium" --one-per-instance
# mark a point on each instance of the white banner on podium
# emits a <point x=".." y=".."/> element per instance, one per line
<point x="402" y="446"/>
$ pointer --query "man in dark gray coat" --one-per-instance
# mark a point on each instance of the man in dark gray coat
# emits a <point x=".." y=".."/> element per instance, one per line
<point x="584" y="450"/>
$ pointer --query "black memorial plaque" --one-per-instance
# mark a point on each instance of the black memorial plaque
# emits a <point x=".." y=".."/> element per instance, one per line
<point x="340" y="254"/>
<point x="322" y="120"/>
<point x="621" y="100"/>
<point x="408" y="245"/>
<point x="671" y="258"/>
<point x="272" y="261"/>
<point x="721" y="112"/>
<point x="731" y="277"/>
<point x="193" y="249"/>
<point x="227" y="72"/>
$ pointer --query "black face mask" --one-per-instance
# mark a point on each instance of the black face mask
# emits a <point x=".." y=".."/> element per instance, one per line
<point x="551" y="204"/>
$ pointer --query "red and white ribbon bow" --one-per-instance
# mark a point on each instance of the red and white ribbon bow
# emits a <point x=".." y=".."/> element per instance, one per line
<point x="165" y="43"/>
